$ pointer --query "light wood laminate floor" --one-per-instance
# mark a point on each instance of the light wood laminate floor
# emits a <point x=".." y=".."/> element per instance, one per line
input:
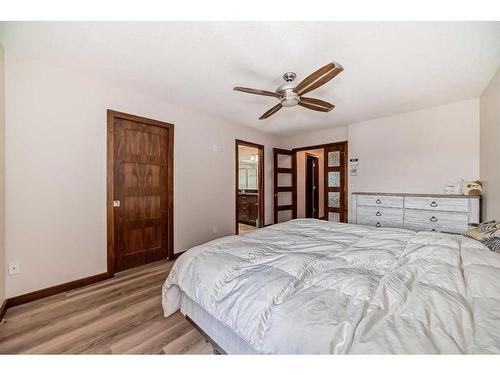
<point x="245" y="228"/>
<point x="119" y="315"/>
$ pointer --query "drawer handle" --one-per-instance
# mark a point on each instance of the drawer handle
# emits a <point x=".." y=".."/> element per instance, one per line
<point x="378" y="225"/>
<point x="433" y="219"/>
<point x="378" y="201"/>
<point x="434" y="204"/>
<point x="378" y="213"/>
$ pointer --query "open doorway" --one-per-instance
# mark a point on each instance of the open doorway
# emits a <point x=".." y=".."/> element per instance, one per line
<point x="310" y="178"/>
<point x="329" y="188"/>
<point x="249" y="172"/>
<point x="312" y="186"/>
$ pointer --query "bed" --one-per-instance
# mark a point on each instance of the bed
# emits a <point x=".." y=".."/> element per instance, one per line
<point x="315" y="287"/>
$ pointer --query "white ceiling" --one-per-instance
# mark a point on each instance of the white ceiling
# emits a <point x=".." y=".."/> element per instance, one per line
<point x="389" y="67"/>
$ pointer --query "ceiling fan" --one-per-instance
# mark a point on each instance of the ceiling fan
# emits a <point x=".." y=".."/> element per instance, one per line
<point x="290" y="94"/>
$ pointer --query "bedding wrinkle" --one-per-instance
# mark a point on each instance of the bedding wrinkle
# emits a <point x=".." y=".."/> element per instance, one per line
<point x="353" y="333"/>
<point x="284" y="294"/>
<point x="373" y="318"/>
<point x="316" y="287"/>
<point x="468" y="332"/>
<point x="228" y="284"/>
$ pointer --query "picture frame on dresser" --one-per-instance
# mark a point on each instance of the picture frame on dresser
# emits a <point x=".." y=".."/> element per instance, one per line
<point x="420" y="212"/>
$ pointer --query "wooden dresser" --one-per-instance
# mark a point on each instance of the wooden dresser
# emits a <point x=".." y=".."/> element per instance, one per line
<point x="248" y="208"/>
<point x="429" y="212"/>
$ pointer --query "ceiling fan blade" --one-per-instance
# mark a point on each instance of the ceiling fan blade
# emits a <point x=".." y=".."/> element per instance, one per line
<point x="256" y="91"/>
<point x="316" y="103"/>
<point x="318" y="78"/>
<point x="314" y="107"/>
<point x="272" y="111"/>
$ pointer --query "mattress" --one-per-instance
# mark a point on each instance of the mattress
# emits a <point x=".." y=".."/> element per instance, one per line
<point x="224" y="336"/>
<point x="315" y="287"/>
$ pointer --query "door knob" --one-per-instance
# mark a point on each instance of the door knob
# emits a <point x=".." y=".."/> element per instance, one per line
<point x="116" y="203"/>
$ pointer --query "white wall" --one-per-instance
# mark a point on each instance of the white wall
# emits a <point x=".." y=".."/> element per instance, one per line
<point x="56" y="171"/>
<point x="416" y="152"/>
<point x="2" y="179"/>
<point x="490" y="148"/>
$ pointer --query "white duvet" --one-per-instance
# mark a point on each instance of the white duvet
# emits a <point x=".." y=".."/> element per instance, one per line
<point x="311" y="286"/>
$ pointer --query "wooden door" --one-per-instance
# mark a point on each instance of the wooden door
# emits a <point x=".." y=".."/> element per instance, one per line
<point x="336" y="182"/>
<point x="284" y="180"/>
<point x="142" y="190"/>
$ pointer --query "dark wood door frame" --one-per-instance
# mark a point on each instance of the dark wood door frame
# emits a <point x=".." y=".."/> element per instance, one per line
<point x="315" y="184"/>
<point x="345" y="202"/>
<point x="110" y="177"/>
<point x="261" y="177"/>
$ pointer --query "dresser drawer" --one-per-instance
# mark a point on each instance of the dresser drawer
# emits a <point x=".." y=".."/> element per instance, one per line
<point x="380" y="223"/>
<point x="380" y="216"/>
<point x="379" y="200"/>
<point x="436" y="221"/>
<point x="381" y="213"/>
<point x="437" y="204"/>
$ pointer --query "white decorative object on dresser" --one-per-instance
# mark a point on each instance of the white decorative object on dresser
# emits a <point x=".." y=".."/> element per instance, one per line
<point x="430" y="212"/>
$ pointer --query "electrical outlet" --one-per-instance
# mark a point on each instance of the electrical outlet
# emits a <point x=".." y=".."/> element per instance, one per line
<point x="14" y="268"/>
<point x="215" y="148"/>
<point x="215" y="229"/>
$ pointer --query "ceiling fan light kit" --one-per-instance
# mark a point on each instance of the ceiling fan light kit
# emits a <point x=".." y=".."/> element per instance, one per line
<point x="291" y="95"/>
<point x="288" y="97"/>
